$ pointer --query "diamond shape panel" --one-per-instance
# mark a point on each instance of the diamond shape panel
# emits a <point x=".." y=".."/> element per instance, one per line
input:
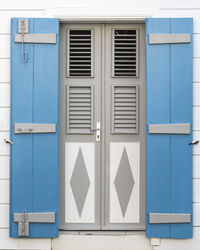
<point x="124" y="182"/>
<point x="80" y="182"/>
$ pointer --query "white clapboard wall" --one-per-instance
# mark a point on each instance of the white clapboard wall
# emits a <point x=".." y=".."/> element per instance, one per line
<point x="92" y="9"/>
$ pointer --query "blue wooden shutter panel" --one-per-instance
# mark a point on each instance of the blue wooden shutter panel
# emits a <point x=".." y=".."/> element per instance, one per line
<point x="34" y="156"/>
<point x="169" y="157"/>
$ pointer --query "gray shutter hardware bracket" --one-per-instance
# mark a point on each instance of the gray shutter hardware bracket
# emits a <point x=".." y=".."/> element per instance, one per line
<point x="23" y="28"/>
<point x="169" y="38"/>
<point x="24" y="36"/>
<point x="34" y="128"/>
<point x="173" y="128"/>
<point x="162" y="218"/>
<point x="25" y="218"/>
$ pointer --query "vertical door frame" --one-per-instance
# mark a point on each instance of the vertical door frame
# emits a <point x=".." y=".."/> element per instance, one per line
<point x="103" y="22"/>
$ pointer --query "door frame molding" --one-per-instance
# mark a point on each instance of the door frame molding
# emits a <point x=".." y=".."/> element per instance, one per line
<point x="103" y="21"/>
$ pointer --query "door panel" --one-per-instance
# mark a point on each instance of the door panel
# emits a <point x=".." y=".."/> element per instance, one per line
<point x="102" y="173"/>
<point x="80" y="154"/>
<point x="124" y="153"/>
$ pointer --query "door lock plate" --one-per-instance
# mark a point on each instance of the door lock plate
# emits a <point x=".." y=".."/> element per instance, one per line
<point x="98" y="131"/>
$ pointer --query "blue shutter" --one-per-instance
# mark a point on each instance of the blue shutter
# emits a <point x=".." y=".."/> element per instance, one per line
<point x="169" y="157"/>
<point x="34" y="156"/>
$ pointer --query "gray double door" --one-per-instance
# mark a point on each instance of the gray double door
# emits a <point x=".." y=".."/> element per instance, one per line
<point x="102" y="127"/>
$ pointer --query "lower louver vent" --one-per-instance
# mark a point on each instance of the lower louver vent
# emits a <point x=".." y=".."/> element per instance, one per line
<point x="79" y="109"/>
<point x="125" y="53"/>
<point x="125" y="109"/>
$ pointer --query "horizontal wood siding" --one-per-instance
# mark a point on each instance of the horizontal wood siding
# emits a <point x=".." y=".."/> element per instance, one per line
<point x="90" y="8"/>
<point x="4" y="95"/>
<point x="4" y="167"/>
<point x="4" y="193"/>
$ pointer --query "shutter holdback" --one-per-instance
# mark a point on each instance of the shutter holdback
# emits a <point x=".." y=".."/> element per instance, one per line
<point x="194" y="142"/>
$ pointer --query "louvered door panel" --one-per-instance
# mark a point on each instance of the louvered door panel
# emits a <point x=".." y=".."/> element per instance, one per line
<point x="79" y="109"/>
<point x="125" y="109"/>
<point x="79" y="53"/>
<point x="125" y="53"/>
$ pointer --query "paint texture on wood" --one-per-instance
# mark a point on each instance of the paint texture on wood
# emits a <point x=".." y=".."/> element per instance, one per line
<point x="34" y="157"/>
<point x="169" y="101"/>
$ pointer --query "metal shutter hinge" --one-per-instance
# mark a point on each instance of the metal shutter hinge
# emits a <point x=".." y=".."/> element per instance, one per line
<point x="162" y="218"/>
<point x="169" y="38"/>
<point x="23" y="28"/>
<point x="34" y="128"/>
<point x="23" y="220"/>
<point x="23" y="37"/>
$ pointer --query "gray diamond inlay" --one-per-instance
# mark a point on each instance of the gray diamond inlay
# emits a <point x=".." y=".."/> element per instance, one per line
<point x="80" y="182"/>
<point x="124" y="182"/>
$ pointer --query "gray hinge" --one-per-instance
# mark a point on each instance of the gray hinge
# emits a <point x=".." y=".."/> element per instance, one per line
<point x="162" y="218"/>
<point x="169" y="38"/>
<point x="36" y="38"/>
<point x="173" y="128"/>
<point x="25" y="218"/>
<point x="23" y="37"/>
<point x="34" y="128"/>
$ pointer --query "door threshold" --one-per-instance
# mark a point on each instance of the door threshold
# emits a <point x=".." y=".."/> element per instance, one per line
<point x="102" y="233"/>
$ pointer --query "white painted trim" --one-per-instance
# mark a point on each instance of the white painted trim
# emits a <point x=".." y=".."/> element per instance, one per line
<point x="102" y="19"/>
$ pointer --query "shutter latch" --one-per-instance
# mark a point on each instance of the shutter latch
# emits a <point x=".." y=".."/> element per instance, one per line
<point x="8" y="141"/>
<point x="25" y="218"/>
<point x="194" y="142"/>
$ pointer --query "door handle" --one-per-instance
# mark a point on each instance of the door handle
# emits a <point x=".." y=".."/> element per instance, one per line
<point x="194" y="142"/>
<point x="98" y="131"/>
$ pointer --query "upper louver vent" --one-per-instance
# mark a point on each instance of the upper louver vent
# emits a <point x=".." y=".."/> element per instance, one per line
<point x="79" y="53"/>
<point x="125" y="53"/>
